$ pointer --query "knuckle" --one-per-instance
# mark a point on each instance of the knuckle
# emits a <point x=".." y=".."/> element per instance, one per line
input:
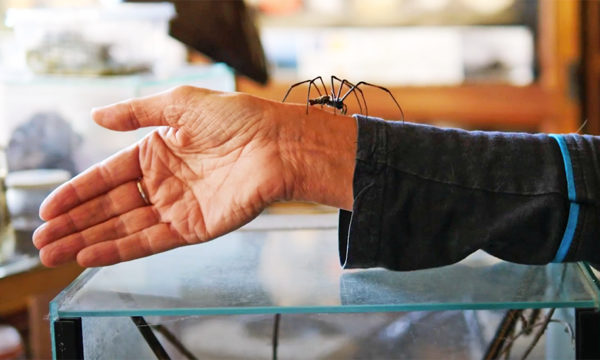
<point x="183" y="91"/>
<point x="134" y="114"/>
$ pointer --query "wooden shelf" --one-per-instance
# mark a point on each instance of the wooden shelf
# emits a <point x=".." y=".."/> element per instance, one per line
<point x="16" y="290"/>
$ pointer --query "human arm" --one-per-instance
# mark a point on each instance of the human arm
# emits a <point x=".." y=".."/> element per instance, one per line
<point x="421" y="196"/>
<point x="215" y="163"/>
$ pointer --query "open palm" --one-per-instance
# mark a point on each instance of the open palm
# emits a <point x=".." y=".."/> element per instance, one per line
<point x="210" y="167"/>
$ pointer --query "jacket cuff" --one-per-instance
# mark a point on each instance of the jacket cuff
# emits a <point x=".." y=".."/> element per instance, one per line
<point x="359" y="230"/>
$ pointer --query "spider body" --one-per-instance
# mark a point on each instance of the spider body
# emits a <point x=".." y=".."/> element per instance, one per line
<point x="331" y="101"/>
<point x="334" y="98"/>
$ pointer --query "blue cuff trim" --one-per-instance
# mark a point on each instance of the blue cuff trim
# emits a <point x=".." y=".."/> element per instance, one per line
<point x="567" y="239"/>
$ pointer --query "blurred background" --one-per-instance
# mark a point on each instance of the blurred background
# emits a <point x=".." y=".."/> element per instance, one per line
<point x="513" y="65"/>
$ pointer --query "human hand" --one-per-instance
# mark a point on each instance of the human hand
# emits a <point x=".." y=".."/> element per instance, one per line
<point x="215" y="163"/>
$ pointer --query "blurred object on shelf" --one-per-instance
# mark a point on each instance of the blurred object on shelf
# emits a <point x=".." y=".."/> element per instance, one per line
<point x="44" y="141"/>
<point x="224" y="31"/>
<point x="7" y="233"/>
<point x="411" y="56"/>
<point x="332" y="7"/>
<point x="402" y="13"/>
<point x="11" y="344"/>
<point x="404" y="43"/>
<point x="96" y="40"/>
<point x="498" y="55"/>
<point x="25" y="192"/>
<point x="488" y="6"/>
<point x="375" y="9"/>
<point x="49" y="116"/>
<point x="279" y="7"/>
<point x="405" y="55"/>
<point x="433" y="5"/>
<point x="70" y="54"/>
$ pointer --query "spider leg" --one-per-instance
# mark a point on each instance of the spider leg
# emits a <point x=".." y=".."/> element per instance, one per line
<point x="293" y="86"/>
<point x="333" y="77"/>
<point x="337" y="96"/>
<point x="322" y="83"/>
<point x="324" y="87"/>
<point x="379" y="87"/>
<point x="310" y="84"/>
<point x="333" y="96"/>
<point x="354" y="89"/>
<point x="351" y="86"/>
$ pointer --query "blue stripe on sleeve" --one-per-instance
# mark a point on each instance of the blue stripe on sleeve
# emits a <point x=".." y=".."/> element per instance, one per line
<point x="567" y="239"/>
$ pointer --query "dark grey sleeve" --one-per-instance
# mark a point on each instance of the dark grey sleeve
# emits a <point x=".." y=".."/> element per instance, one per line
<point x="426" y="196"/>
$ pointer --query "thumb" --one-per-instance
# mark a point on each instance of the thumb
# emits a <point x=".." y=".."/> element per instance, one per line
<point x="154" y="110"/>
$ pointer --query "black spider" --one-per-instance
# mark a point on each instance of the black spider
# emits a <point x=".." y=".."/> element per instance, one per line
<point x="336" y="100"/>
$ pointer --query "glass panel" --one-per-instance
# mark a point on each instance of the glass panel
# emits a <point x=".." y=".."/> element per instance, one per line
<point x="298" y="271"/>
<point x="414" y="335"/>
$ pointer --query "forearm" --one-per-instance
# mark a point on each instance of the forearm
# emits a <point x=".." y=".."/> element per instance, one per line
<point x="319" y="150"/>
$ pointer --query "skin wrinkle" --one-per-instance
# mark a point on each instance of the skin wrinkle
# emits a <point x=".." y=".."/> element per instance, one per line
<point x="72" y="226"/>
<point x="237" y="153"/>
<point x="108" y="205"/>
<point x="86" y="238"/>
<point x="286" y="152"/>
<point x="105" y="174"/>
<point x="274" y="186"/>
<point x="119" y="251"/>
<point x="120" y="227"/>
<point x="74" y="191"/>
<point x="144" y="155"/>
<point x="147" y="242"/>
<point x="81" y="239"/>
<point x="177" y="117"/>
<point x="171" y="175"/>
<point x="134" y="123"/>
<point x="74" y="242"/>
<point x="238" y="210"/>
<point x="156" y="214"/>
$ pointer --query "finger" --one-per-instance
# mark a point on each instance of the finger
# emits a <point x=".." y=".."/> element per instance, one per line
<point x="149" y="241"/>
<point x="113" y="228"/>
<point x="154" y="110"/>
<point x="120" y="200"/>
<point x="66" y="249"/>
<point x="120" y="168"/>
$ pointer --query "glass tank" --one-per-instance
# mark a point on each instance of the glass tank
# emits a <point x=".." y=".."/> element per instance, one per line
<point x="288" y="264"/>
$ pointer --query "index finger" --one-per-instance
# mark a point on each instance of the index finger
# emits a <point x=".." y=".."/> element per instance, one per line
<point x="118" y="169"/>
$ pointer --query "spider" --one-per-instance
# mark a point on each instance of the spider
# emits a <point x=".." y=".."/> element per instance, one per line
<point x="336" y="100"/>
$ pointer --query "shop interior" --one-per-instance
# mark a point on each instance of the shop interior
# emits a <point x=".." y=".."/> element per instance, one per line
<point x="496" y="65"/>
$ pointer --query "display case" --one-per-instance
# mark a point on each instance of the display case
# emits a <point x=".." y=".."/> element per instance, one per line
<point x="219" y="300"/>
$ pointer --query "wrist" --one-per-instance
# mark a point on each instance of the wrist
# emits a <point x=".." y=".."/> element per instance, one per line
<point x="318" y="152"/>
